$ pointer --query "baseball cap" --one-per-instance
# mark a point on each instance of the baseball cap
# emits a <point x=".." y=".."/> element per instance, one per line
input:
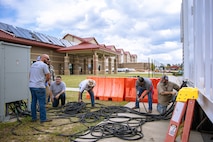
<point x="91" y="83"/>
<point x="165" y="77"/>
<point x="141" y="79"/>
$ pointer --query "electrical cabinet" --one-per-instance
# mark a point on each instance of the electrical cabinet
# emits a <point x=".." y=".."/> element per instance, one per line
<point x="14" y="75"/>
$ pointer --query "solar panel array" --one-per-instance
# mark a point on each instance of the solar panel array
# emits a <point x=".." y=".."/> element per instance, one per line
<point x="31" y="35"/>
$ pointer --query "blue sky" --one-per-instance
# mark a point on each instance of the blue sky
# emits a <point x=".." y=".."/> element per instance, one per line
<point x="148" y="28"/>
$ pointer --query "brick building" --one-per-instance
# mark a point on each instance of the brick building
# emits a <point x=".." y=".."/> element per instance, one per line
<point x="71" y="54"/>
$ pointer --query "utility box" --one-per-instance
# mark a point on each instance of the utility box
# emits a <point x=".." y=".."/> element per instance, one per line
<point x="14" y="75"/>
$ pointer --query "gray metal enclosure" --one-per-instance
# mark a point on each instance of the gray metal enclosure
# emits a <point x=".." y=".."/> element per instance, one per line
<point x="14" y="74"/>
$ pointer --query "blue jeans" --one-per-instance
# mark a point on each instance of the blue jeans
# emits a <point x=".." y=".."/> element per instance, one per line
<point x="140" y="90"/>
<point x="38" y="94"/>
<point x="91" y="93"/>
<point x="161" y="109"/>
<point x="62" y="97"/>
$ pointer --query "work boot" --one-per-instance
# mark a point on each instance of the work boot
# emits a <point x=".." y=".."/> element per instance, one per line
<point x="135" y="107"/>
<point x="47" y="120"/>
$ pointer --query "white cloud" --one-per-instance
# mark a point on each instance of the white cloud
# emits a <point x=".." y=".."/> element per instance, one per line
<point x="148" y="28"/>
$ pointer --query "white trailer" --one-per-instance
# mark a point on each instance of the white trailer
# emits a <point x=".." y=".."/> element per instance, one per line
<point x="197" y="39"/>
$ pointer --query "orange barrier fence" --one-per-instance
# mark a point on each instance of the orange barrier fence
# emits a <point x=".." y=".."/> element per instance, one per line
<point x="130" y="90"/>
<point x="119" y="89"/>
<point x="118" y="85"/>
<point x="108" y="89"/>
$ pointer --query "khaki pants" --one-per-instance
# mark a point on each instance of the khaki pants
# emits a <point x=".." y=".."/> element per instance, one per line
<point x="47" y="94"/>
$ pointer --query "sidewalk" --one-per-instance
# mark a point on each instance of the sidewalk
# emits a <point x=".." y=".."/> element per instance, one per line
<point x="72" y="89"/>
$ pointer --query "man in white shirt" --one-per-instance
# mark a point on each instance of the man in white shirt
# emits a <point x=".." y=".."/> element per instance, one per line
<point x="88" y="85"/>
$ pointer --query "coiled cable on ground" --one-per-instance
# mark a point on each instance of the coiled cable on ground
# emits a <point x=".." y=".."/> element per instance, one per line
<point x="114" y="122"/>
<point x="111" y="129"/>
<point x="73" y="108"/>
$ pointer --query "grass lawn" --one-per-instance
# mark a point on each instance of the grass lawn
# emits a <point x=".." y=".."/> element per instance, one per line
<point x="52" y="131"/>
<point x="74" y="80"/>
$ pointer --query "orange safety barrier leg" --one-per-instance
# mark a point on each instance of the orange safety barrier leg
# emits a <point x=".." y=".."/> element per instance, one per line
<point x="130" y="90"/>
<point x="118" y="89"/>
<point x="108" y="88"/>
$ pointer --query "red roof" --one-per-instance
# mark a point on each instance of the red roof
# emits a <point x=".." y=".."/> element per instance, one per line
<point x="120" y="50"/>
<point x="88" y="39"/>
<point x="110" y="46"/>
<point x="127" y="52"/>
<point x="84" y="46"/>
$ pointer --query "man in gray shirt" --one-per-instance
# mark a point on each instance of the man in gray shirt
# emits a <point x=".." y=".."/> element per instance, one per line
<point x="39" y="75"/>
<point x="144" y="87"/>
<point x="57" y="92"/>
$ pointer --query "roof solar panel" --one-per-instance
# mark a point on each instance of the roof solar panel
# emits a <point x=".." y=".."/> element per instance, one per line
<point x="3" y="26"/>
<point x="66" y="42"/>
<point x="27" y="33"/>
<point x="54" y="40"/>
<point x="16" y="32"/>
<point x="42" y="37"/>
<point x="7" y="28"/>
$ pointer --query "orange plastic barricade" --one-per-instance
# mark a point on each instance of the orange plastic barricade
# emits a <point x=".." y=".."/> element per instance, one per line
<point x="155" y="82"/>
<point x="155" y="96"/>
<point x="106" y="92"/>
<point x="101" y="88"/>
<point x="130" y="90"/>
<point x="117" y="89"/>
<point x="108" y="89"/>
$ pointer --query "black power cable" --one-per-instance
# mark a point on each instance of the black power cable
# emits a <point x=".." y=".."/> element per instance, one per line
<point x="19" y="108"/>
<point x="114" y="123"/>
